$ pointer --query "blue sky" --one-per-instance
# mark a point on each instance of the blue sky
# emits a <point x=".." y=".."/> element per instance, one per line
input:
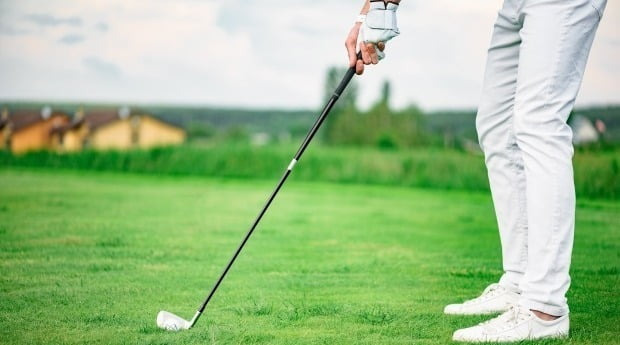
<point x="250" y="53"/>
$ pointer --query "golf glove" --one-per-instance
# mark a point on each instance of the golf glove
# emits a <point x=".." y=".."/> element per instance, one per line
<point x="380" y="24"/>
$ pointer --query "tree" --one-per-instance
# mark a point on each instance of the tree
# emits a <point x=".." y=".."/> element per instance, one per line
<point x="411" y="127"/>
<point x="346" y="128"/>
<point x="346" y="103"/>
<point x="386" y="93"/>
<point x="380" y="126"/>
<point x="332" y="80"/>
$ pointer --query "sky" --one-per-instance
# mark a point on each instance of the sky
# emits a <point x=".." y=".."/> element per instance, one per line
<point x="251" y="53"/>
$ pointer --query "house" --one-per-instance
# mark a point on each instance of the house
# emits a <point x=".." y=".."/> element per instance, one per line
<point x="583" y="130"/>
<point x="120" y="129"/>
<point x="28" y="130"/>
<point x="4" y="129"/>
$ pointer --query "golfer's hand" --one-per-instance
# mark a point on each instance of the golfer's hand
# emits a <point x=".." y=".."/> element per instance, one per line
<point x="369" y="50"/>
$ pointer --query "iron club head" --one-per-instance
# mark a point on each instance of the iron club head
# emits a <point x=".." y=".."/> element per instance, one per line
<point x="171" y="322"/>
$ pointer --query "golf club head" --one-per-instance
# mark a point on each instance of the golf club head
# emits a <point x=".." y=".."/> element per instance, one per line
<point x="171" y="322"/>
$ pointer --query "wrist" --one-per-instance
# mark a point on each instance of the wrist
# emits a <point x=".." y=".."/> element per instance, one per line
<point x="385" y="2"/>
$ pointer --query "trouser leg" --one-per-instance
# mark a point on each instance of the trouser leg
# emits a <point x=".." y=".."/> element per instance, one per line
<point x="556" y="39"/>
<point x="494" y="124"/>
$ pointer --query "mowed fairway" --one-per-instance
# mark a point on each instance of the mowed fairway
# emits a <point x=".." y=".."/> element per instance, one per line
<point x="90" y="258"/>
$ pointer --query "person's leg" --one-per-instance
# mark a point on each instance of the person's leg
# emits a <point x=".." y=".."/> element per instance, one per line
<point x="494" y="124"/>
<point x="556" y="39"/>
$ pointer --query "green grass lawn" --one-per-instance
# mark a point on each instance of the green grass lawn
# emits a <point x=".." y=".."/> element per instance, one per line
<point x="90" y="258"/>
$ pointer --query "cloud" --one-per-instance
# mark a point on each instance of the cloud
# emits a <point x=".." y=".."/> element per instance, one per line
<point x="101" y="26"/>
<point x="11" y="31"/>
<point x="255" y="53"/>
<point x="49" y="20"/>
<point x="101" y="67"/>
<point x="71" y="39"/>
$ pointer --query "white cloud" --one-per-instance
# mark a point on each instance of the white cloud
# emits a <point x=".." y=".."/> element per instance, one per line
<point x="254" y="53"/>
<point x="70" y="39"/>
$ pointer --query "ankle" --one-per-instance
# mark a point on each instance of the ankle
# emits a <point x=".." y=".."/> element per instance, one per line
<point x="544" y="316"/>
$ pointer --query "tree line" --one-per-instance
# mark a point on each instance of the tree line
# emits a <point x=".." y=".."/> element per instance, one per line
<point x="380" y="126"/>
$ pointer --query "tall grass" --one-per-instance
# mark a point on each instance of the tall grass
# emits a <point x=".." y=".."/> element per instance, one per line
<point x="597" y="174"/>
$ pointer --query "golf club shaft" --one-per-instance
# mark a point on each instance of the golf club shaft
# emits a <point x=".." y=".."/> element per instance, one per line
<point x="330" y="104"/>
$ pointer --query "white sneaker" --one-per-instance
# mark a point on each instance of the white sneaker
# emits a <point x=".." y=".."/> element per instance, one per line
<point x="516" y="324"/>
<point x="494" y="299"/>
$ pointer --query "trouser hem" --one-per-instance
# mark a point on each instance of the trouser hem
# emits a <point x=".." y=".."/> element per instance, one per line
<point x="542" y="307"/>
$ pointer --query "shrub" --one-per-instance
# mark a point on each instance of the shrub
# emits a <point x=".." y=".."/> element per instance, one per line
<point x="596" y="173"/>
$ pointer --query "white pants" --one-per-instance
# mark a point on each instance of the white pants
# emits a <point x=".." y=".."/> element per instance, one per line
<point x="534" y="70"/>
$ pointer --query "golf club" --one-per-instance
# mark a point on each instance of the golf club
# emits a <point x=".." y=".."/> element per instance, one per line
<point x="172" y="322"/>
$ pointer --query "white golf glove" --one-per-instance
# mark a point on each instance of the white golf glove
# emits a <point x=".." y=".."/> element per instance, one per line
<point x="380" y="23"/>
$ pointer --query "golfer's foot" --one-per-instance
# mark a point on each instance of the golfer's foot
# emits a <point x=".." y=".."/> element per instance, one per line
<point x="516" y="324"/>
<point x="494" y="299"/>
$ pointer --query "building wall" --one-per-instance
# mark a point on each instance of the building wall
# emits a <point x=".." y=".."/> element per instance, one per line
<point x="73" y="139"/>
<point x="153" y="132"/>
<point x="5" y="135"/>
<point x="30" y="138"/>
<point x="116" y="135"/>
<point x="36" y="136"/>
<point x="123" y="134"/>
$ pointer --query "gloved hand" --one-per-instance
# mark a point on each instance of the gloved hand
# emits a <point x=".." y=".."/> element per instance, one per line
<point x="372" y="30"/>
<point x="380" y="24"/>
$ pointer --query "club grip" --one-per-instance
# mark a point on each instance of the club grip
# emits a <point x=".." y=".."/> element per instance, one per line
<point x="347" y="78"/>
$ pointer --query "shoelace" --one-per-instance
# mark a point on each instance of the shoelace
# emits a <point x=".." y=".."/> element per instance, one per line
<point x="491" y="291"/>
<point x="515" y="315"/>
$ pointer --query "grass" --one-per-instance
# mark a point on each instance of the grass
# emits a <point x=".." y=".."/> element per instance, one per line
<point x="90" y="258"/>
<point x="597" y="173"/>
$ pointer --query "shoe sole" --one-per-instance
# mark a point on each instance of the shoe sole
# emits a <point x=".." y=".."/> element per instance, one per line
<point x="474" y="314"/>
<point x="553" y="336"/>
